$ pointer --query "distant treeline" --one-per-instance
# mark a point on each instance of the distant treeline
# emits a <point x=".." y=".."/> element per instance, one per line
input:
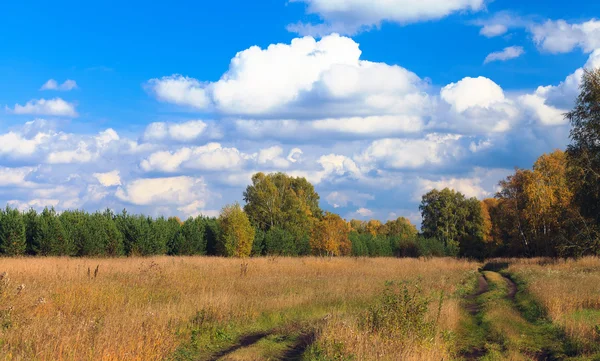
<point x="105" y="234"/>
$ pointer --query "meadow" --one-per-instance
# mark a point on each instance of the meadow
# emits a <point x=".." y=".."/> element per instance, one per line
<point x="312" y="308"/>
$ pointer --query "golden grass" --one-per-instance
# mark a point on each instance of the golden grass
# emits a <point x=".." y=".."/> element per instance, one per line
<point x="570" y="292"/>
<point x="136" y="308"/>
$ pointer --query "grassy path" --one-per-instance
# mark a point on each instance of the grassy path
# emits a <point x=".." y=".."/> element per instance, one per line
<point x="506" y="324"/>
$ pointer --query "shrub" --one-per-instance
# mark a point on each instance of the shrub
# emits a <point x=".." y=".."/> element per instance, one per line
<point x="402" y="313"/>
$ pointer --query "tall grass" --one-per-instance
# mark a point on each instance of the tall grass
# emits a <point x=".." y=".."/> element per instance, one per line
<point x="141" y="308"/>
<point x="569" y="292"/>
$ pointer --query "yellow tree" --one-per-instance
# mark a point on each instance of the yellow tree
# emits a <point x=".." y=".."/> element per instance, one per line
<point x="400" y="227"/>
<point x="330" y="236"/>
<point x="358" y="226"/>
<point x="547" y="192"/>
<point x="374" y="227"/>
<point x="237" y="234"/>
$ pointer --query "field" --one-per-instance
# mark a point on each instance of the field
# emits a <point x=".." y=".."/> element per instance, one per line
<point x="208" y="308"/>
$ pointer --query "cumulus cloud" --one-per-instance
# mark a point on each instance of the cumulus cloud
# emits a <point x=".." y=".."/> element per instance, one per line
<point x="181" y="132"/>
<point x="180" y="90"/>
<point x="187" y="193"/>
<point x="212" y="157"/>
<point x="507" y="53"/>
<point x="14" y="145"/>
<point x="15" y="177"/>
<point x="395" y="153"/>
<point x="493" y="30"/>
<point x="476" y="105"/>
<point x="304" y="78"/>
<point x="56" y="107"/>
<point x="53" y="85"/>
<point x="352" y="16"/>
<point x="109" y="179"/>
<point x="470" y="187"/>
<point x="562" y="37"/>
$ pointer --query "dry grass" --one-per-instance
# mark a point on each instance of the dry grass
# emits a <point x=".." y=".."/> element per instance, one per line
<point x="138" y="308"/>
<point x="569" y="290"/>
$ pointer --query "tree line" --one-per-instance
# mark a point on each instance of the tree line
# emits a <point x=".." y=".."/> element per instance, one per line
<point x="551" y="210"/>
<point x="281" y="216"/>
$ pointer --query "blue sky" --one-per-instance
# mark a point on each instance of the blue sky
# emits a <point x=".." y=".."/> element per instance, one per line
<point x="147" y="106"/>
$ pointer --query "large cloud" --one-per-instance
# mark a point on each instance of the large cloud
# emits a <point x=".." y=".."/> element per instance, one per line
<point x="306" y="78"/>
<point x="352" y="16"/>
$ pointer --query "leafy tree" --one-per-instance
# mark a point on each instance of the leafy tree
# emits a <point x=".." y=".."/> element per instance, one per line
<point x="12" y="232"/>
<point x="330" y="237"/>
<point x="400" y="227"/>
<point x="374" y="227"/>
<point x="455" y="220"/>
<point x="237" y="234"/>
<point x="278" y="200"/>
<point x="584" y="151"/>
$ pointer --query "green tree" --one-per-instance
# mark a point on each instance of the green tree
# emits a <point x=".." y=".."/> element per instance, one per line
<point x="51" y="236"/>
<point x="32" y="228"/>
<point x="237" y="234"/>
<point x="456" y="221"/>
<point x="12" y="232"/>
<point x="280" y="201"/>
<point x="190" y="239"/>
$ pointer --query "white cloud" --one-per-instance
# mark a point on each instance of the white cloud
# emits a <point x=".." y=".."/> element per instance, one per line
<point x="182" y="132"/>
<point x="470" y="187"/>
<point x="36" y="203"/>
<point x="305" y="77"/>
<point x="472" y="92"/>
<point x="53" y="85"/>
<point x="493" y="30"/>
<point x="81" y="154"/>
<point x="180" y="90"/>
<point x="545" y="114"/>
<point x="477" y="105"/>
<point x="212" y="157"/>
<point x="508" y="53"/>
<point x="364" y="212"/>
<point x="14" y="145"/>
<point x="56" y="107"/>
<point x="15" y="176"/>
<point x="562" y="37"/>
<point x="294" y="155"/>
<point x="187" y="193"/>
<point x="396" y="153"/>
<point x="109" y="179"/>
<point x="272" y="155"/>
<point x="352" y="16"/>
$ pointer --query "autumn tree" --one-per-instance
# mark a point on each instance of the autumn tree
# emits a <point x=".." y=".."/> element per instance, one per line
<point x="330" y="236"/>
<point x="584" y="151"/>
<point x="400" y="227"/>
<point x="237" y="234"/>
<point x="12" y="232"/>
